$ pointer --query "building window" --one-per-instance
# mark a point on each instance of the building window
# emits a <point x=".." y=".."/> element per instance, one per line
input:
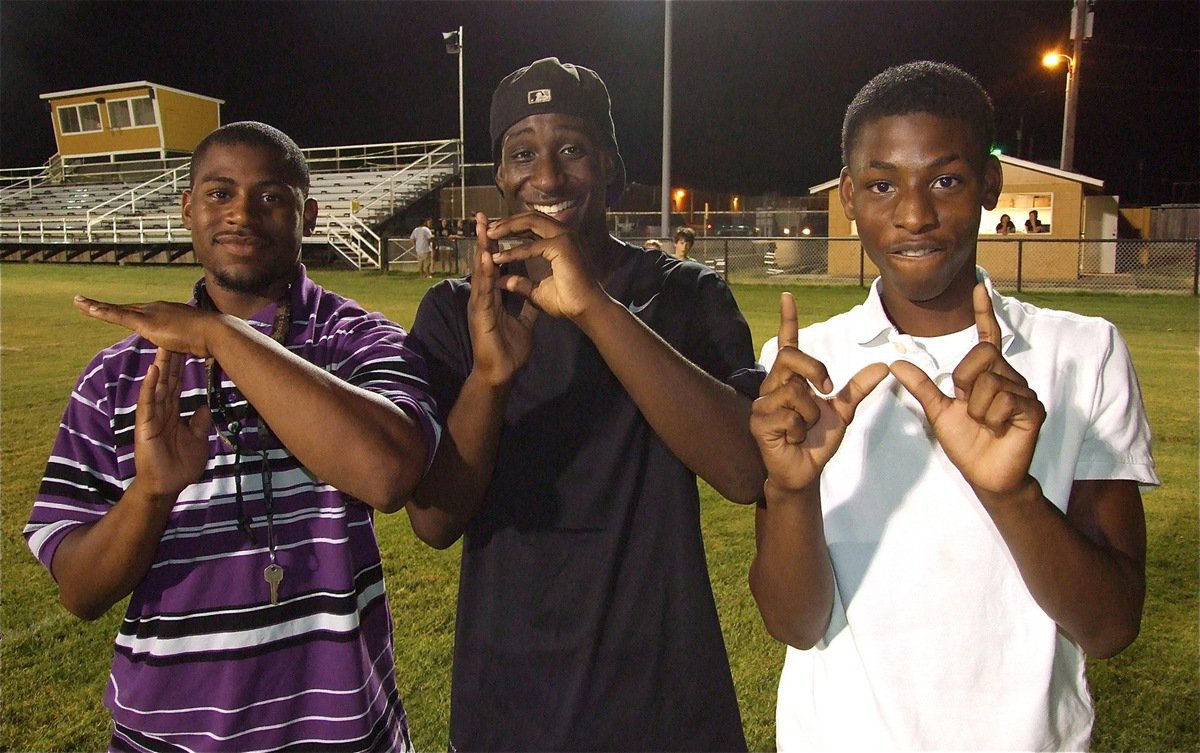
<point x="124" y="113"/>
<point x="143" y="111"/>
<point x="1018" y="206"/>
<point x="79" y="118"/>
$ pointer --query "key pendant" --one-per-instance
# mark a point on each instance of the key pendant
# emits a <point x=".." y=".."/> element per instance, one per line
<point x="273" y="575"/>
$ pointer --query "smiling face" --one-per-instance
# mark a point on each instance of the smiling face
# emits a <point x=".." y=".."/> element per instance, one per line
<point x="916" y="195"/>
<point x="247" y="221"/>
<point x="557" y="165"/>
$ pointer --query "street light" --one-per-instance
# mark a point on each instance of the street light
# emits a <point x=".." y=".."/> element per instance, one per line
<point x="454" y="45"/>
<point x="1050" y="60"/>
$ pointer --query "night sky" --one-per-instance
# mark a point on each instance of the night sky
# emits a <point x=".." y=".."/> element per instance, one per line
<point x="759" y="88"/>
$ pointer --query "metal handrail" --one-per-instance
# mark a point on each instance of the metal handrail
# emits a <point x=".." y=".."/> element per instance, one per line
<point x="394" y="149"/>
<point x="359" y="243"/>
<point x="386" y="188"/>
<point x="74" y="229"/>
<point x="16" y="183"/>
<point x="170" y="177"/>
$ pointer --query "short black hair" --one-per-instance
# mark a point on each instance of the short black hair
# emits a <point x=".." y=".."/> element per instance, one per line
<point x="923" y="86"/>
<point x="686" y="233"/>
<point x="261" y="135"/>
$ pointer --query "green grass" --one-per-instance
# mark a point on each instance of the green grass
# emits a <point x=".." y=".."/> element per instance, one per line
<point x="54" y="667"/>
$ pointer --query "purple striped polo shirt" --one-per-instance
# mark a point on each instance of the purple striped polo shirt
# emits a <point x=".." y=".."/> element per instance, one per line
<point x="203" y="661"/>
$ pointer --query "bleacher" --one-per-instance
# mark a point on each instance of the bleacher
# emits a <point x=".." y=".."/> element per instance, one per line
<point x="119" y="215"/>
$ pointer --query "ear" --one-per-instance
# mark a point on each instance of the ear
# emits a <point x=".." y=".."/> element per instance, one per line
<point x="993" y="182"/>
<point x="608" y="165"/>
<point x="187" y="209"/>
<point x="846" y="193"/>
<point x="310" y="216"/>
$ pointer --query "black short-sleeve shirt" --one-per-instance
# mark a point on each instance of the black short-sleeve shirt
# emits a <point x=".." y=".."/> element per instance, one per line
<point x="586" y="619"/>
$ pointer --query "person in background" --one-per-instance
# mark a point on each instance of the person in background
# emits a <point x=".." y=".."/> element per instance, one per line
<point x="685" y="238"/>
<point x="444" y="250"/>
<point x="422" y="237"/>
<point x="1005" y="225"/>
<point x="1034" y="225"/>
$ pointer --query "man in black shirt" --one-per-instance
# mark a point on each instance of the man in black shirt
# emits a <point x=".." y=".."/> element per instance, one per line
<point x="585" y="383"/>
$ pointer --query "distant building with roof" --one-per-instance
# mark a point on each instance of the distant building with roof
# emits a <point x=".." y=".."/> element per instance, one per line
<point x="137" y="120"/>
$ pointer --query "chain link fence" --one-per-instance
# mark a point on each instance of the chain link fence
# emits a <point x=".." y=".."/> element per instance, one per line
<point x="1018" y="264"/>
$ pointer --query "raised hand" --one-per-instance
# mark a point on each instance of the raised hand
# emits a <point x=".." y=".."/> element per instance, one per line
<point x="169" y="452"/>
<point x="500" y="341"/>
<point x="571" y="286"/>
<point x="798" y="430"/>
<point x="174" y="326"/>
<point x="989" y="429"/>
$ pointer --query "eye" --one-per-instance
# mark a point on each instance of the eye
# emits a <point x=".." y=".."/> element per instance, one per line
<point x="947" y="181"/>
<point x="573" y="150"/>
<point x="270" y="197"/>
<point x="880" y="187"/>
<point x="218" y="194"/>
<point x="521" y="155"/>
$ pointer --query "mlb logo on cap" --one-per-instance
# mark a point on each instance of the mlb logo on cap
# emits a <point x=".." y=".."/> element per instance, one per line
<point x="539" y="96"/>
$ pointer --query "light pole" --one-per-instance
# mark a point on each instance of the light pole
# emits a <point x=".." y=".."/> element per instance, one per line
<point x="1080" y="28"/>
<point x="454" y="45"/>
<point x="666" y="123"/>
<point x="1067" y="158"/>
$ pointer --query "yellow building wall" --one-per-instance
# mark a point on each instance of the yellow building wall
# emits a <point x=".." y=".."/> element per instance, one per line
<point x="1139" y="218"/>
<point x="1040" y="260"/>
<point x="186" y="119"/>
<point x="843" y="254"/>
<point x="108" y="140"/>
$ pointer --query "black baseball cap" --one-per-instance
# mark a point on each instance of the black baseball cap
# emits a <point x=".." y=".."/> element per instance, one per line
<point x="548" y="86"/>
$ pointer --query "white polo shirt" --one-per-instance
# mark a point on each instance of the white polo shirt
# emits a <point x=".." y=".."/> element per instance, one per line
<point x="934" y="640"/>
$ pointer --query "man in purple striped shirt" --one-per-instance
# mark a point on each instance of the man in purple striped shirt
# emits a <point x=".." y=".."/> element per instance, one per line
<point x="222" y="465"/>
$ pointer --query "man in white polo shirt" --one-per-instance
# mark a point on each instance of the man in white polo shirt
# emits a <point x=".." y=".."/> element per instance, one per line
<point x="943" y="549"/>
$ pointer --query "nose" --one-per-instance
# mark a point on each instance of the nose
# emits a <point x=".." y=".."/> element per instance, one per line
<point x="547" y="175"/>
<point x="915" y="211"/>
<point x="239" y="209"/>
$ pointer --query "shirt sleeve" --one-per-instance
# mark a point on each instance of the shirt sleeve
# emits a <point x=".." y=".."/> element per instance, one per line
<point x="1117" y="442"/>
<point x="375" y="354"/>
<point x="83" y="475"/>
<point x="442" y="339"/>
<point x="720" y="341"/>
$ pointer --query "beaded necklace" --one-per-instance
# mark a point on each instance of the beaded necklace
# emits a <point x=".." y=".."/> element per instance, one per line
<point x="229" y="423"/>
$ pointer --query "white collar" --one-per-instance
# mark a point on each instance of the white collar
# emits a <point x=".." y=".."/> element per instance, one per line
<point x="869" y="324"/>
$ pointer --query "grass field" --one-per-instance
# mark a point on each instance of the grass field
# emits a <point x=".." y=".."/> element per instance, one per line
<point x="53" y="668"/>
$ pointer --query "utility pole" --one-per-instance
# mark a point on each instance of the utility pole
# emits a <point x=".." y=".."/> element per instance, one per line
<point x="1080" y="15"/>
<point x="666" y="123"/>
<point x="454" y="46"/>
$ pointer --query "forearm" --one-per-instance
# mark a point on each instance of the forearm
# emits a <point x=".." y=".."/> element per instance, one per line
<point x="791" y="577"/>
<point x="98" y="564"/>
<point x="704" y="422"/>
<point x="1092" y="591"/>
<point x="353" y="439"/>
<point x="450" y="495"/>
